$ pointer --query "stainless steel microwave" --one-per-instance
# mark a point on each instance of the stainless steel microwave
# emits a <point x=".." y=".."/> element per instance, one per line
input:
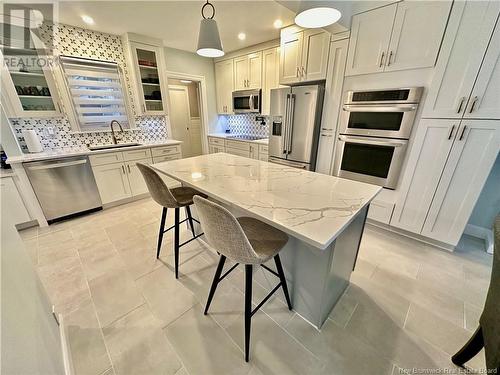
<point x="247" y="101"/>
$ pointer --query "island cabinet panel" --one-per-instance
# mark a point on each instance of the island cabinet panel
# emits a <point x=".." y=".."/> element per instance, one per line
<point x="467" y="38"/>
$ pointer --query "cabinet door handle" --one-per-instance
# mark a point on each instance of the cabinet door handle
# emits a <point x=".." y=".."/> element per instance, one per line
<point x="463" y="132"/>
<point x="128" y="167"/>
<point x="143" y="107"/>
<point x="381" y="60"/>
<point x="297" y="73"/>
<point x="473" y="104"/>
<point x="123" y="169"/>
<point x="459" y="109"/>
<point x="304" y="73"/>
<point x="389" y="59"/>
<point x="451" y="132"/>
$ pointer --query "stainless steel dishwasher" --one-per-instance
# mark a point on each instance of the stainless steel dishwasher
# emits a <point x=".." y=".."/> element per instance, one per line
<point x="64" y="187"/>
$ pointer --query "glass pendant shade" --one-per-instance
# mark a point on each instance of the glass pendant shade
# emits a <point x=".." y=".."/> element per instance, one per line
<point x="209" y="43"/>
<point x="311" y="17"/>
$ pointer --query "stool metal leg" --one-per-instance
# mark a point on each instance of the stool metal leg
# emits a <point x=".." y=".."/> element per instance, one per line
<point x="470" y="349"/>
<point x="176" y="242"/>
<point x="248" y="308"/>
<point x="190" y="219"/>
<point x="215" y="282"/>
<point x="162" y="228"/>
<point x="281" y="274"/>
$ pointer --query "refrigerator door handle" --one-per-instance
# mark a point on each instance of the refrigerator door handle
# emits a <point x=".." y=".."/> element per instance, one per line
<point x="285" y="125"/>
<point x="290" y="120"/>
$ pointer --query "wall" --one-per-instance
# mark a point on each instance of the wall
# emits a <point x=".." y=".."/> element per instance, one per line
<point x="488" y="205"/>
<point x="78" y="42"/>
<point x="189" y="63"/>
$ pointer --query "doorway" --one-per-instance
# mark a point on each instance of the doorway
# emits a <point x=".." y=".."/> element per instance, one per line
<point x="185" y="115"/>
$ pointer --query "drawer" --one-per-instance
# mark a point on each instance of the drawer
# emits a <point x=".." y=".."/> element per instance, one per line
<point x="238" y="145"/>
<point x="108" y="158"/>
<point x="380" y="211"/>
<point x="166" y="150"/>
<point x="237" y="151"/>
<point x="263" y="157"/>
<point x="264" y="148"/>
<point x="136" y="154"/>
<point x="216" y="141"/>
<point x="161" y="159"/>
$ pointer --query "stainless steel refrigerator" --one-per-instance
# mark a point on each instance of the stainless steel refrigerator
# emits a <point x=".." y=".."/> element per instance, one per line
<point x="295" y="124"/>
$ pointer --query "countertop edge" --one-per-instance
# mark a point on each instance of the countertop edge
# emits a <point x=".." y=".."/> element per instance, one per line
<point x="262" y="141"/>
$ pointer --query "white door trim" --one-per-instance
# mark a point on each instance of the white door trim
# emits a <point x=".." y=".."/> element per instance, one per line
<point x="203" y="102"/>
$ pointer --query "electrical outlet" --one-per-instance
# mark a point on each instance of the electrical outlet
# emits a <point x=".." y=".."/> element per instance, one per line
<point x="50" y="132"/>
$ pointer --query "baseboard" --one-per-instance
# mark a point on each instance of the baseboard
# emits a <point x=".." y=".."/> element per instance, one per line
<point x="482" y="233"/>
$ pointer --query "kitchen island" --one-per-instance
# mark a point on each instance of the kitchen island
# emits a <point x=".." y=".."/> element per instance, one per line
<point x="324" y="217"/>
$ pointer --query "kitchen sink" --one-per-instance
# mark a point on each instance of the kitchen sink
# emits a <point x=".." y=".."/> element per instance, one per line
<point x="113" y="146"/>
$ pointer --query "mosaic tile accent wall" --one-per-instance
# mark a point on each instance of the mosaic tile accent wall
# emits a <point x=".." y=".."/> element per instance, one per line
<point x="245" y="124"/>
<point x="78" y="42"/>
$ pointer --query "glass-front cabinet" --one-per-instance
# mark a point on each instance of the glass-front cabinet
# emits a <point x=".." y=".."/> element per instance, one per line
<point x="151" y="84"/>
<point x="28" y="87"/>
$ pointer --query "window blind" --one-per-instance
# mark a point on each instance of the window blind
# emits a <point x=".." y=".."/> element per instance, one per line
<point x="96" y="92"/>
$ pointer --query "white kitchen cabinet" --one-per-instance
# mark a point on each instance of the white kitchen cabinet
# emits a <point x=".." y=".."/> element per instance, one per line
<point x="484" y="102"/>
<point x="370" y="37"/>
<point x="467" y="36"/>
<point x="447" y="168"/>
<point x="137" y="183"/>
<point x="12" y="203"/>
<point x="215" y="149"/>
<point x="238" y="152"/>
<point x="149" y="73"/>
<point x="315" y="49"/>
<point x="303" y="56"/>
<point x="112" y="182"/>
<point x="325" y="153"/>
<point x="270" y="77"/>
<point x="248" y="71"/>
<point x="426" y="161"/>
<point x="473" y="154"/>
<point x="417" y="34"/>
<point x="224" y="85"/>
<point x="405" y="35"/>
<point x="254" y="151"/>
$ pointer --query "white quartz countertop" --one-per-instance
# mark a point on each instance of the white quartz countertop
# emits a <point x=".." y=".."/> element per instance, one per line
<point x="45" y="155"/>
<point x="311" y="206"/>
<point x="262" y="141"/>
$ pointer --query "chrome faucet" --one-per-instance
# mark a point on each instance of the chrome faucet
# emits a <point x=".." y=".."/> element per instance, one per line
<point x="113" y="136"/>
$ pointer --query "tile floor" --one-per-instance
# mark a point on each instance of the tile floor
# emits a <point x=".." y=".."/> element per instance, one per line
<point x="409" y="305"/>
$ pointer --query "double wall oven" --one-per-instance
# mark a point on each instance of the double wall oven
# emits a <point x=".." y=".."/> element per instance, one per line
<point x="374" y="129"/>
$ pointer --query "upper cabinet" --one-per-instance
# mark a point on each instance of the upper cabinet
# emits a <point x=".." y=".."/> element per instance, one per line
<point x="248" y="71"/>
<point x="224" y="84"/>
<point x="28" y="87"/>
<point x="270" y="71"/>
<point x="148" y="71"/>
<point x="303" y="56"/>
<point x="466" y="80"/>
<point x="405" y="35"/>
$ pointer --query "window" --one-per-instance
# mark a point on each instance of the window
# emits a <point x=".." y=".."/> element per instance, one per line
<point x="96" y="91"/>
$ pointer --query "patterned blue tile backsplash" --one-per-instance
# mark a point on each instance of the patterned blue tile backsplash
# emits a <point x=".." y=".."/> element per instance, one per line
<point x="245" y="124"/>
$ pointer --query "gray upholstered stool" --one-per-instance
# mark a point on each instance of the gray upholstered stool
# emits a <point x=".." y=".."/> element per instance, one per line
<point x="170" y="198"/>
<point x="487" y="335"/>
<point x="243" y="240"/>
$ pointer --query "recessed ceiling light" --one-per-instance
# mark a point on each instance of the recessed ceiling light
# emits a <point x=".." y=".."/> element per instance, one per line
<point x="242" y="36"/>
<point x="311" y="17"/>
<point x="185" y="81"/>
<point x="88" y="20"/>
<point x="277" y="24"/>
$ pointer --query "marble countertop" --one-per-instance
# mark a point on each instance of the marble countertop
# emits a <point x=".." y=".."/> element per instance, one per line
<point x="311" y="206"/>
<point x="45" y="155"/>
<point x="262" y="141"/>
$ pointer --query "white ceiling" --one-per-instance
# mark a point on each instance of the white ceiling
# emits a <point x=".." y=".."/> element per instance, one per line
<point x="177" y="22"/>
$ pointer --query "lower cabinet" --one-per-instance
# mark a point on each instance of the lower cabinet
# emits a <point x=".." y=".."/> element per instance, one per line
<point x="135" y="179"/>
<point x="112" y="182"/>
<point x="240" y="148"/>
<point x="12" y="203"/>
<point x="447" y="168"/>
<point x="238" y="152"/>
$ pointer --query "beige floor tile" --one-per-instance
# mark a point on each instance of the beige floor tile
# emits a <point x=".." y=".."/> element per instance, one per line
<point x="204" y="347"/>
<point x="273" y="350"/>
<point x="86" y="342"/>
<point x="141" y="260"/>
<point x="166" y="296"/>
<point x="114" y="295"/>
<point x="343" y="353"/>
<point x="439" y="332"/>
<point x="31" y="246"/>
<point x="364" y="267"/>
<point x="137" y="345"/>
<point x="343" y="310"/>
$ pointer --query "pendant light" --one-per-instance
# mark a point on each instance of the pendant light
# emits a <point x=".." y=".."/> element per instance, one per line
<point x="311" y="16"/>
<point x="209" y="44"/>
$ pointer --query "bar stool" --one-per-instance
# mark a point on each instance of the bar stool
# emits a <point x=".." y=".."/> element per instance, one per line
<point x="175" y="198"/>
<point x="243" y="240"/>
